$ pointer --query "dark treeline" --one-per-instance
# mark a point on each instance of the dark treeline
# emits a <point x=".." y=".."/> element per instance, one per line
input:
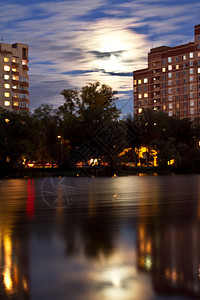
<point x="88" y="125"/>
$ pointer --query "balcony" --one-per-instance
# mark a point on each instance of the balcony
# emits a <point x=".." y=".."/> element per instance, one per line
<point x="24" y="83"/>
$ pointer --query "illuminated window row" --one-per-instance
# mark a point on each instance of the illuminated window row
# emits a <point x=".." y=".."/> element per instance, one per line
<point x="139" y="81"/>
<point x="7" y="69"/>
<point x="145" y="95"/>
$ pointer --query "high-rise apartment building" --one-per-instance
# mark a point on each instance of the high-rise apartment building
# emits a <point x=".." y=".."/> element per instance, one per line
<point x="172" y="80"/>
<point x="14" y="79"/>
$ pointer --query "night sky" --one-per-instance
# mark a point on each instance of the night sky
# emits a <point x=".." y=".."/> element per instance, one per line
<point x="79" y="41"/>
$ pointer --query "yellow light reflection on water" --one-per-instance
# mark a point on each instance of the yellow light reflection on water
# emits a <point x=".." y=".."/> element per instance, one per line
<point x="8" y="262"/>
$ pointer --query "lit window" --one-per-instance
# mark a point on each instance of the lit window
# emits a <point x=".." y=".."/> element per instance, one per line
<point x="16" y="103"/>
<point x="7" y="95"/>
<point x="14" y="87"/>
<point x="191" y="78"/>
<point x="154" y="101"/>
<point x="154" y="78"/>
<point x="14" y="59"/>
<point x="24" y="62"/>
<point x="145" y="80"/>
<point x="6" y="68"/>
<point x="6" y="85"/>
<point x="140" y="110"/>
<point x="170" y="90"/>
<point x="191" y="71"/>
<point x="170" y="67"/>
<point x="15" y="77"/>
<point x="184" y="57"/>
<point x="135" y="82"/>
<point x="14" y="69"/>
<point x="169" y="59"/>
<point x="164" y="107"/>
<point x="139" y="81"/>
<point x="6" y="103"/>
<point x="155" y="108"/>
<point x="191" y="55"/>
<point x="170" y="98"/>
<point x="140" y="96"/>
<point x="6" y="77"/>
<point x="170" y="113"/>
<point x="198" y="54"/>
<point x="6" y="59"/>
<point x="198" y="70"/>
<point x="164" y="69"/>
<point x="177" y="105"/>
<point x="170" y="105"/>
<point x="177" y="67"/>
<point x="169" y="75"/>
<point x="145" y="95"/>
<point x="191" y="102"/>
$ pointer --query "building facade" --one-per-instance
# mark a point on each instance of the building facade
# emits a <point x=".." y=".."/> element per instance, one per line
<point x="171" y="82"/>
<point x="14" y="79"/>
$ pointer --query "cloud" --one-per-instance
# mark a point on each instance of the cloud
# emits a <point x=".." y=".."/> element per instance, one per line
<point x="75" y="42"/>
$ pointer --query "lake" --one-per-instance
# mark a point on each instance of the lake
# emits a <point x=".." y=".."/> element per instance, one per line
<point x="127" y="238"/>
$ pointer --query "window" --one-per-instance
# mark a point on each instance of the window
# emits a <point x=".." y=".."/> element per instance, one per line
<point x="191" y="87"/>
<point x="14" y="70"/>
<point x="177" y="98"/>
<point x="184" y="66"/>
<point x="163" y="84"/>
<point x="191" y="63"/>
<point x="6" y="85"/>
<point x="184" y="73"/>
<point x="170" y="113"/>
<point x="163" y="69"/>
<point x="177" y="90"/>
<point x="145" y="80"/>
<point x="198" y="70"/>
<point x="191" y="95"/>
<point x="139" y="89"/>
<point x="191" y="78"/>
<point x="7" y="95"/>
<point x="163" y="100"/>
<point x="6" y="77"/>
<point x="6" y="103"/>
<point x="170" y="67"/>
<point x="154" y="101"/>
<point x="177" y="59"/>
<point x="191" y="111"/>
<point x="170" y="82"/>
<point x="198" y="37"/>
<point x="163" y="61"/>
<point x="15" y="59"/>
<point x="177" y="74"/>
<point x="145" y="95"/>
<point x="163" y="92"/>
<point x="185" y="97"/>
<point x="177" y="67"/>
<point x="169" y="59"/>
<point x="198" y="46"/>
<point x="169" y="75"/>
<point x="145" y="88"/>
<point x="6" y="68"/>
<point x="191" y="71"/>
<point x="184" y="81"/>
<point x="191" y="55"/>
<point x="140" y="96"/>
<point x="170" y="105"/>
<point x="164" y="107"/>
<point x="177" y="82"/>
<point x="14" y="77"/>
<point x="135" y="82"/>
<point x="140" y="110"/>
<point x="15" y="103"/>
<point x="185" y="89"/>
<point x="6" y="59"/>
<point x="198" y="54"/>
<point x="170" y="98"/>
<point x="177" y="105"/>
<point x="191" y="102"/>
<point x="14" y="87"/>
<point x="170" y="90"/>
<point x="184" y="57"/>
<point x="139" y="81"/>
<point x="163" y="77"/>
<point x="155" y="108"/>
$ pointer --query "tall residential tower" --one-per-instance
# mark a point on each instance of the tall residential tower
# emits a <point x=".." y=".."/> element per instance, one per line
<point x="172" y="80"/>
<point x="14" y="79"/>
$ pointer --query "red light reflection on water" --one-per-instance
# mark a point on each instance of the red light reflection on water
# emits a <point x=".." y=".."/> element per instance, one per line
<point x="30" y="199"/>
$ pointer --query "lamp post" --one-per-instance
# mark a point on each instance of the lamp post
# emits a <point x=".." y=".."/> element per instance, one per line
<point x="61" y="147"/>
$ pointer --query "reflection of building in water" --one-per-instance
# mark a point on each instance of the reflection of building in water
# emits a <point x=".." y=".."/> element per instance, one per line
<point x="172" y="255"/>
<point x="14" y="241"/>
<point x="14" y="266"/>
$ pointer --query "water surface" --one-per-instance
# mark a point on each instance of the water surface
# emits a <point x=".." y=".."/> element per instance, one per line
<point x="127" y="238"/>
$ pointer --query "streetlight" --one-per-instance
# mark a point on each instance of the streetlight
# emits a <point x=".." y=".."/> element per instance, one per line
<point x="61" y="147"/>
